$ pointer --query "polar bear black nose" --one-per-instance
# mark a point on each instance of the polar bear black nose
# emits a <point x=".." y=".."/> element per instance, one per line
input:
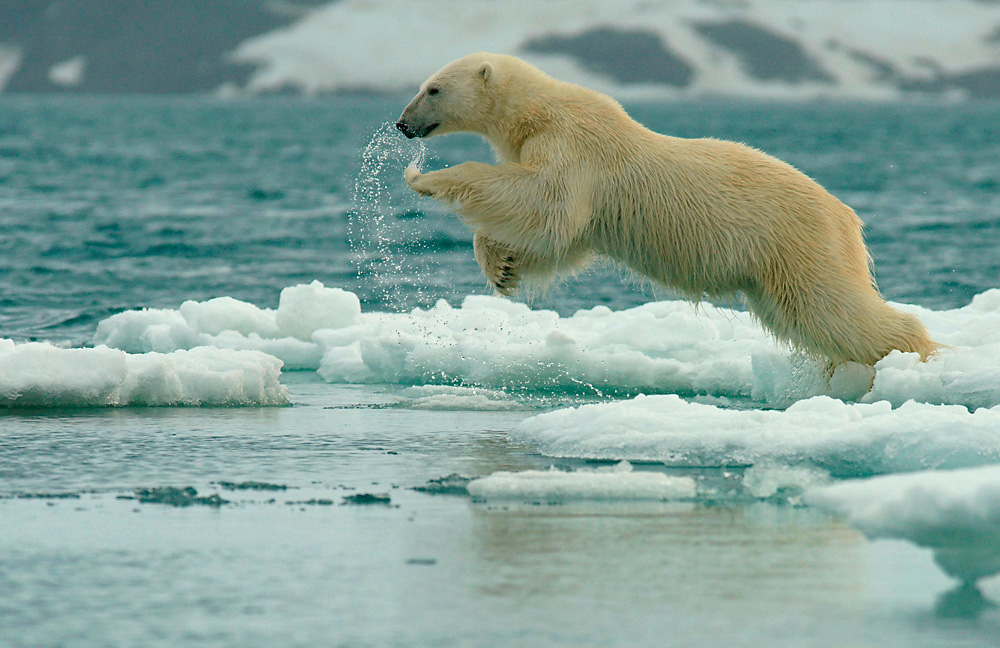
<point x="404" y="129"/>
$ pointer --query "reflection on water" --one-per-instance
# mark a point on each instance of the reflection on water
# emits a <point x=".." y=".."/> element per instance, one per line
<point x="706" y="553"/>
<point x="966" y="601"/>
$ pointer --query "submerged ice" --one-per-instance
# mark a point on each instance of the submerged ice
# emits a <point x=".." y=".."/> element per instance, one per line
<point x="618" y="483"/>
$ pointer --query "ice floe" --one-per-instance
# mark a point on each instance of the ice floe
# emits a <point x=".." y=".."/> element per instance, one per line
<point x="844" y="439"/>
<point x="38" y="374"/>
<point x="227" y="323"/>
<point x="659" y="347"/>
<point x="956" y="513"/>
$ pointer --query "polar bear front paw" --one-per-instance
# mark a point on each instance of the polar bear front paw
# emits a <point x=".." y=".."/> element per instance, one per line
<point x="413" y="178"/>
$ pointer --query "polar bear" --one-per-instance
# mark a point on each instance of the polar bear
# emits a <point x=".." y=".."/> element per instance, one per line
<point x="576" y="176"/>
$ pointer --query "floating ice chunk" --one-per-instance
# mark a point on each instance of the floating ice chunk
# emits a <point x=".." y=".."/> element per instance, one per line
<point x="781" y="378"/>
<point x="956" y="513"/>
<point x="150" y="329"/>
<point x="967" y="373"/>
<point x="228" y="323"/>
<point x="851" y="381"/>
<point x="305" y="309"/>
<point x="491" y="342"/>
<point x="43" y="375"/>
<point x="39" y="374"/>
<point x="221" y="314"/>
<point x="841" y="438"/>
<point x="557" y="486"/>
<point x="204" y="376"/>
<point x="968" y="376"/>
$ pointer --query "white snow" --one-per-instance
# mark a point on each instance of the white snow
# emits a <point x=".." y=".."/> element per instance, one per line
<point x="305" y="309"/>
<point x="68" y="73"/>
<point x="659" y="347"/>
<point x="343" y="45"/>
<point x="844" y="439"/>
<point x="227" y="323"/>
<point x="970" y="368"/>
<point x="955" y="513"/>
<point x="619" y="483"/>
<point x="43" y="375"/>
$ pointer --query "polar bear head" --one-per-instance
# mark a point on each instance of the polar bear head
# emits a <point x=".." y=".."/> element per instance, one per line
<point x="453" y="99"/>
<point x="463" y="96"/>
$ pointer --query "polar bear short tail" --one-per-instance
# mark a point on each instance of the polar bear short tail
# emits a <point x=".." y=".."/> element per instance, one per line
<point x="854" y="324"/>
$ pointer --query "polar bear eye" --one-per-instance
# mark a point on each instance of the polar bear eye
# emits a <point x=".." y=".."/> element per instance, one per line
<point x="433" y="91"/>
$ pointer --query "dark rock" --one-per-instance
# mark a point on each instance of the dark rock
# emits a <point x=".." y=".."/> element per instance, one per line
<point x="765" y="54"/>
<point x="627" y="56"/>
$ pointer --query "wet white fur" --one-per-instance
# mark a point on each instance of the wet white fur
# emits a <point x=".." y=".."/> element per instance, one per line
<point x="709" y="218"/>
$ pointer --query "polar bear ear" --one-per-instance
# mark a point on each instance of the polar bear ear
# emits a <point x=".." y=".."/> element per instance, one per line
<point x="485" y="72"/>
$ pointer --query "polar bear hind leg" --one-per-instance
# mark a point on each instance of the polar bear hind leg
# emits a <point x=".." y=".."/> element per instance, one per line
<point x="844" y="323"/>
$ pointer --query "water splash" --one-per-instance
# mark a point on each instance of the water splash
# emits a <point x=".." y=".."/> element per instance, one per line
<point x="378" y="223"/>
<point x="384" y="231"/>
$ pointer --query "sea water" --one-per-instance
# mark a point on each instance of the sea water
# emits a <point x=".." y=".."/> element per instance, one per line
<point x="435" y="466"/>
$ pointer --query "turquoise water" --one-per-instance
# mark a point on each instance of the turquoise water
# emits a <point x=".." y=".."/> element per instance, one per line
<point x="114" y="204"/>
<point x="109" y="204"/>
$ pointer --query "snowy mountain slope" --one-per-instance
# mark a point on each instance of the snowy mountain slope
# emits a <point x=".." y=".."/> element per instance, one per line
<point x="764" y="48"/>
<point x="147" y="46"/>
<point x="870" y="49"/>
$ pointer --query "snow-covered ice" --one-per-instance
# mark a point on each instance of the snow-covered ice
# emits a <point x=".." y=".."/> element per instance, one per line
<point x="619" y="483"/>
<point x="227" y="323"/>
<point x="956" y="513"/>
<point x="43" y="375"/>
<point x="659" y="347"/>
<point x="845" y="439"/>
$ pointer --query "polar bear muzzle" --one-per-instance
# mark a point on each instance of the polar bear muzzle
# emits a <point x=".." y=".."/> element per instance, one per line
<point x="415" y="120"/>
<point x="413" y="130"/>
<point x="422" y="115"/>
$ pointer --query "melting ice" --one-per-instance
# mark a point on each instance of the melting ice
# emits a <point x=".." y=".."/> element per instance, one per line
<point x="954" y="513"/>
<point x="618" y="483"/>
<point x="43" y="375"/>
<point x="667" y="347"/>
<point x="747" y="401"/>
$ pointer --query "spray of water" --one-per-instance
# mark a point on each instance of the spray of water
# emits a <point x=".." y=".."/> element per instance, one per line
<point x="383" y="232"/>
<point x="381" y="201"/>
